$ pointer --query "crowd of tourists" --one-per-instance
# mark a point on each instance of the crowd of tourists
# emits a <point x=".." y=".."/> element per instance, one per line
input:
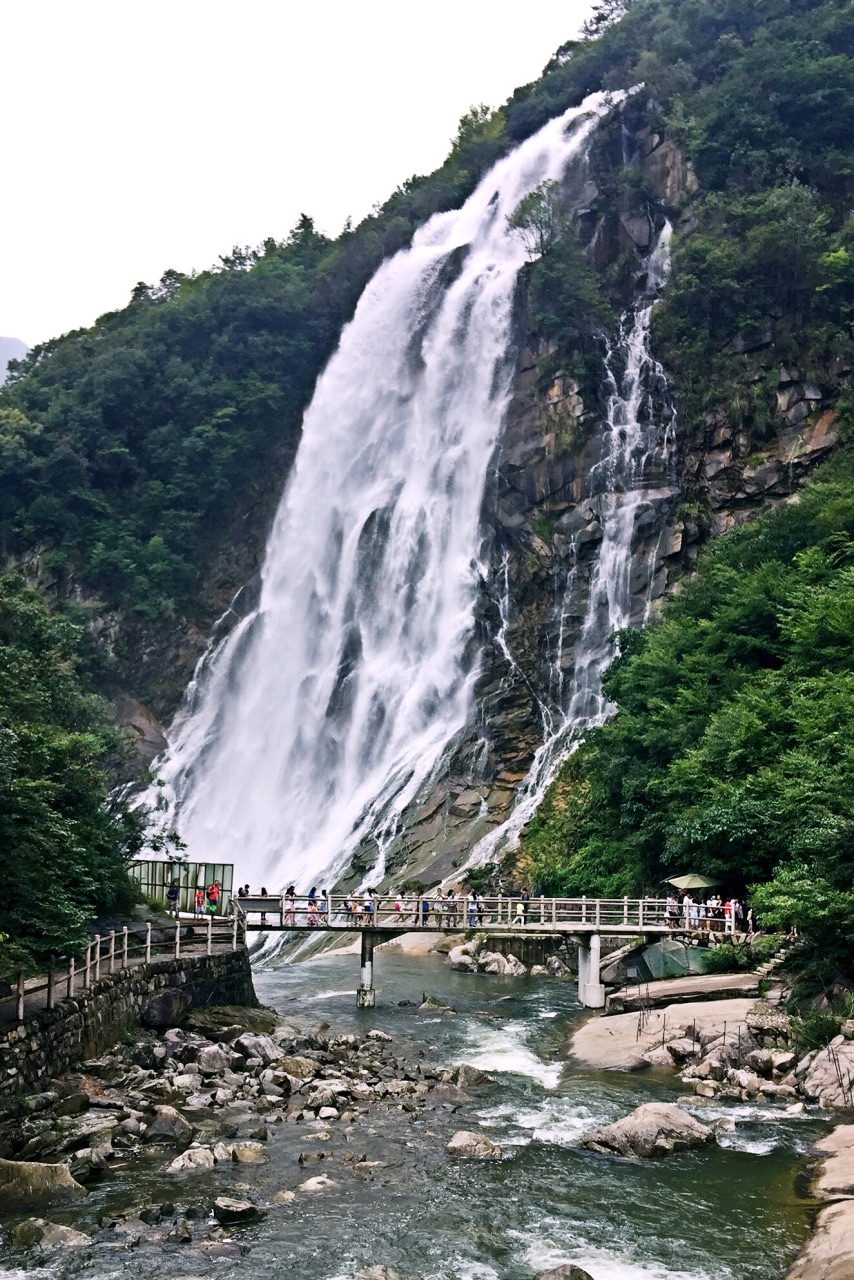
<point x="714" y="915"/>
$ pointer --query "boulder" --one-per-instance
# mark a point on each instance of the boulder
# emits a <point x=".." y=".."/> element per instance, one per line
<point x="36" y="1186"/>
<point x="255" y="1046"/>
<point x="654" y="1129"/>
<point x="460" y="960"/>
<point x="299" y="1068"/>
<point x="166" y="1008"/>
<point x="192" y="1160"/>
<point x="447" y="1095"/>
<point x="320" y="1183"/>
<point x="566" y="1271"/>
<point x="473" y="1146"/>
<point x="248" y="1153"/>
<point x="658" y="1058"/>
<point x="492" y="962"/>
<point x="228" y="1212"/>
<point x="469" y="1077"/>
<point x="556" y="968"/>
<point x="829" y="1253"/>
<point x="47" y="1235"/>
<point x="212" y="1060"/>
<point x="170" y="1126"/>
<point x="434" y="1004"/>
<point x="514" y="968"/>
<point x="829" y="1079"/>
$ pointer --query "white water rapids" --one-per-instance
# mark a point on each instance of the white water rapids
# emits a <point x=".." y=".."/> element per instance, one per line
<point x="319" y="717"/>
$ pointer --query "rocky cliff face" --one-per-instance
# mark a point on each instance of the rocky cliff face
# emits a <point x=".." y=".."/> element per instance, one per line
<point x="543" y="526"/>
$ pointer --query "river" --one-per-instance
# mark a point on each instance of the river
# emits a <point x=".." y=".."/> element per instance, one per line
<point x="730" y="1212"/>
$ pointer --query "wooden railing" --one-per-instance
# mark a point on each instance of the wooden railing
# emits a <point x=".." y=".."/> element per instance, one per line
<point x="123" y="949"/>
<point x="360" y="911"/>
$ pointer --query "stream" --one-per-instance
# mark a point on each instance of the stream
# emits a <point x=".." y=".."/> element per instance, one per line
<point x="729" y="1212"/>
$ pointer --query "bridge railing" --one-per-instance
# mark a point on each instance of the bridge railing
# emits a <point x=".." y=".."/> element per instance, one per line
<point x="117" y="950"/>
<point x="355" y="911"/>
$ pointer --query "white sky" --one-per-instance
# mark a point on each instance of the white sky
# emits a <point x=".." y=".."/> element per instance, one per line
<point x="146" y="134"/>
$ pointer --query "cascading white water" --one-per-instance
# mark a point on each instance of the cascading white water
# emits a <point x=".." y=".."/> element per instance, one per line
<point x="640" y="426"/>
<point x="315" y="722"/>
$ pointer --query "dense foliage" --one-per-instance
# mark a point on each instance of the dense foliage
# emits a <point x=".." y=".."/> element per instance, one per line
<point x="64" y="845"/>
<point x="732" y="753"/>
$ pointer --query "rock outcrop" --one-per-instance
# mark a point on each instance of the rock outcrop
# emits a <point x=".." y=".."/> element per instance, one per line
<point x="473" y="1146"/>
<point x="654" y="1129"/>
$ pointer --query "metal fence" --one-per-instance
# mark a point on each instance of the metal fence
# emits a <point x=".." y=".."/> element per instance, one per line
<point x="121" y="949"/>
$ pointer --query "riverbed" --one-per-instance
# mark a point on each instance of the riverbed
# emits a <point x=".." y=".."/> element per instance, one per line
<point x="730" y="1212"/>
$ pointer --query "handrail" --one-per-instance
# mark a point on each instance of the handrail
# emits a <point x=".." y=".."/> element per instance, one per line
<point x="401" y="911"/>
<point x="73" y="975"/>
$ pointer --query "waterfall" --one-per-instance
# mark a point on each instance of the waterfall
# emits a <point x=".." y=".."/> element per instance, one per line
<point x="632" y="477"/>
<point x="314" y="723"/>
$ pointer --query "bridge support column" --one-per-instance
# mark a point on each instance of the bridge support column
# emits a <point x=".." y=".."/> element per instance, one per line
<point x="591" y="991"/>
<point x="366" y="997"/>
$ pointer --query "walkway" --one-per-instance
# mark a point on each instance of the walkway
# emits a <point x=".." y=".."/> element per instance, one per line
<point x="110" y="955"/>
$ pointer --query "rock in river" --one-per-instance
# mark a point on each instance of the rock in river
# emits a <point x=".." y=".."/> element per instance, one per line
<point x="35" y="1186"/>
<point x="228" y="1211"/>
<point x="654" y="1129"/>
<point x="169" y="1125"/>
<point x="566" y="1271"/>
<point x="194" y="1159"/>
<point x="47" y="1235"/>
<point x="473" y="1146"/>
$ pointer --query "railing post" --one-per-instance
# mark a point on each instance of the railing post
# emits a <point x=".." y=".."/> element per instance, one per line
<point x="112" y="950"/>
<point x="19" y="1003"/>
<point x="97" y="957"/>
<point x="69" y="989"/>
<point x="125" y="947"/>
<point x="542" y="909"/>
<point x="50" y="999"/>
<point x="148" y="943"/>
<point x="210" y="935"/>
<point x="178" y="938"/>
<point x="584" y="908"/>
<point x="554" y="910"/>
<point x="598" y="911"/>
<point x="640" y="913"/>
<point x="87" y="972"/>
<point x="234" y="930"/>
<point x="625" y="910"/>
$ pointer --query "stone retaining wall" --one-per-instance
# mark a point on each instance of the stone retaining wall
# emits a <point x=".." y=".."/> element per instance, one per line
<point x="53" y="1040"/>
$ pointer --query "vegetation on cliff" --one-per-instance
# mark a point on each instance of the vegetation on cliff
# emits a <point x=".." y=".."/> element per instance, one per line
<point x="65" y="844"/>
<point x="732" y="751"/>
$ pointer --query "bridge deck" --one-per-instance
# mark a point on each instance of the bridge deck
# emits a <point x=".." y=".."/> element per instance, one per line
<point x="345" y="914"/>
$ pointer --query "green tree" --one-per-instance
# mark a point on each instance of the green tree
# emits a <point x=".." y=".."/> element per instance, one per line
<point x="65" y="843"/>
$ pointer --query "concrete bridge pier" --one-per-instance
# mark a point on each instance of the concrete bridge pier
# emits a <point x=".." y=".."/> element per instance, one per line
<point x="366" y="996"/>
<point x="591" y="990"/>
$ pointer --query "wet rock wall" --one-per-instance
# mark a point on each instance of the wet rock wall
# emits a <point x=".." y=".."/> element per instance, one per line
<point x="51" y="1041"/>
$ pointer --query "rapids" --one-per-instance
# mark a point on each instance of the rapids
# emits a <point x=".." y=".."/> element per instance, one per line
<point x="730" y="1212"/>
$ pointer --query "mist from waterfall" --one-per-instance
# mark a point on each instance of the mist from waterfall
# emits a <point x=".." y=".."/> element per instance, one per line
<point x="313" y="724"/>
<point x="632" y="475"/>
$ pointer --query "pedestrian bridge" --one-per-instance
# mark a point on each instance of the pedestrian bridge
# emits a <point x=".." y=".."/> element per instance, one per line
<point x="378" y="919"/>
